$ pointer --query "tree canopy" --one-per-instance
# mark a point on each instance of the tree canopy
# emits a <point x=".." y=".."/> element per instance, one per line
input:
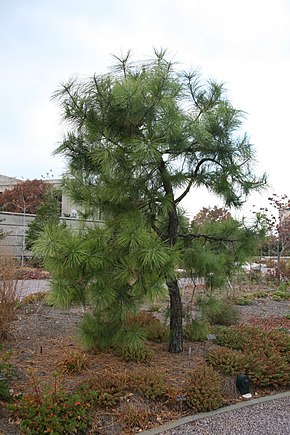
<point x="23" y="197"/>
<point x="140" y="138"/>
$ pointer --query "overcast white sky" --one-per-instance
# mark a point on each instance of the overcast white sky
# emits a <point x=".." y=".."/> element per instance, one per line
<point x="243" y="43"/>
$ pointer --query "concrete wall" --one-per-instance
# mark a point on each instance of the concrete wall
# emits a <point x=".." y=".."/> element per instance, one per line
<point x="14" y="225"/>
<point x="68" y="207"/>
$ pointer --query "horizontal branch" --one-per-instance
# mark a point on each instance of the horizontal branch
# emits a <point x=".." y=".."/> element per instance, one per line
<point x="207" y="237"/>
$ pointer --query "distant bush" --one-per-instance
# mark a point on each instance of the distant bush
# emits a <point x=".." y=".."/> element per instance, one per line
<point x="218" y="311"/>
<point x="197" y="330"/>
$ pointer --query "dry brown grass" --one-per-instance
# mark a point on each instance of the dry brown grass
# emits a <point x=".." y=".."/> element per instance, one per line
<point x="9" y="297"/>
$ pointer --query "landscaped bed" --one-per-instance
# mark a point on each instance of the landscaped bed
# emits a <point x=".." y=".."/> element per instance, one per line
<point x="119" y="397"/>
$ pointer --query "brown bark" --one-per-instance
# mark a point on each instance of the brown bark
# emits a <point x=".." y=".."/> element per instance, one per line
<point x="176" y="331"/>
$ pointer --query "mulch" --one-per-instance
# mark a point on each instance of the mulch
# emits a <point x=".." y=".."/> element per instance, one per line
<point x="41" y="336"/>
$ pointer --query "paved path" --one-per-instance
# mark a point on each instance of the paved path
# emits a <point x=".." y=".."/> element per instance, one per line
<point x="30" y="286"/>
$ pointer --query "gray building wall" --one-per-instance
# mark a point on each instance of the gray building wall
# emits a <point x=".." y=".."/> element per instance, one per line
<point x="14" y="226"/>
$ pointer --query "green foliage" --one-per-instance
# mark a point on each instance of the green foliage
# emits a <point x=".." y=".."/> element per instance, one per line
<point x="265" y="354"/>
<point x="139" y="139"/>
<point x="282" y="294"/>
<point x="96" y="333"/>
<point x="154" y="329"/>
<point x="197" y="330"/>
<point x="204" y="390"/>
<point x="47" y="212"/>
<point x="237" y="337"/>
<point x="52" y="410"/>
<point x="244" y="299"/>
<point x="228" y="361"/>
<point x="150" y="383"/>
<point x="261" y="294"/>
<point x="269" y="368"/>
<point x="5" y="372"/>
<point x="130" y="342"/>
<point x="107" y="388"/>
<point x="218" y="311"/>
<point x="223" y="246"/>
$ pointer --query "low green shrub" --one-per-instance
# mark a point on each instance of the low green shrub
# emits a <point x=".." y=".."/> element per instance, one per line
<point x="106" y="388"/>
<point x="261" y="294"/>
<point x="246" y="299"/>
<point x="197" y="330"/>
<point x="4" y="389"/>
<point x="6" y="372"/>
<point x="218" y="311"/>
<point x="228" y="361"/>
<point x="281" y="295"/>
<point x="150" y="383"/>
<point x="204" y="390"/>
<point x="268" y="370"/>
<point x="230" y="337"/>
<point x="130" y="344"/>
<point x="52" y="410"/>
<point x="266" y="353"/>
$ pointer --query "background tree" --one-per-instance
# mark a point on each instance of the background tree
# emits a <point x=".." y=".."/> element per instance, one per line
<point x="140" y="139"/>
<point x="276" y="218"/>
<point x="221" y="245"/>
<point x="24" y="197"/>
<point x="213" y="214"/>
<point x="47" y="211"/>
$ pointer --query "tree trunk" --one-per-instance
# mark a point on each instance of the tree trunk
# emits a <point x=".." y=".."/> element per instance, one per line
<point x="176" y="331"/>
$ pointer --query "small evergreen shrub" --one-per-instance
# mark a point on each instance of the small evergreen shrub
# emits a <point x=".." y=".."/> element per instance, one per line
<point x="197" y="330"/>
<point x="204" y="390"/>
<point x="246" y="299"/>
<point x="6" y="372"/>
<point x="154" y="329"/>
<point x="96" y="333"/>
<point x="261" y="294"/>
<point x="107" y="388"/>
<point x="52" y="410"/>
<point x="228" y="361"/>
<point x="230" y="337"/>
<point x="157" y="332"/>
<point x="150" y="383"/>
<point x="130" y="344"/>
<point x="268" y="369"/>
<point x="281" y="340"/>
<point x="135" y="351"/>
<point x="266" y="353"/>
<point x="218" y="311"/>
<point x="281" y="295"/>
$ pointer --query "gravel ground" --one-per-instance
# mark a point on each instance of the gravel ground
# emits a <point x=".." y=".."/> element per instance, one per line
<point x="267" y="418"/>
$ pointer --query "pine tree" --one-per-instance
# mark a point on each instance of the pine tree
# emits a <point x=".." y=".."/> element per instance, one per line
<point x="140" y="138"/>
